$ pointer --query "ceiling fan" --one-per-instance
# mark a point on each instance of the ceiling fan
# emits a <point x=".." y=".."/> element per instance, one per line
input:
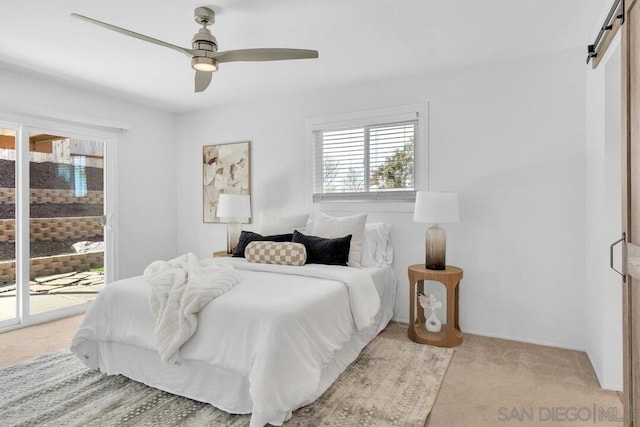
<point x="204" y="53"/>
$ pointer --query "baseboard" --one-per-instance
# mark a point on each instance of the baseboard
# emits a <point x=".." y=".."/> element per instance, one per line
<point x="611" y="387"/>
<point x="509" y="337"/>
<point x="521" y="339"/>
<point x="395" y="319"/>
<point x="593" y="366"/>
<point x="603" y="385"/>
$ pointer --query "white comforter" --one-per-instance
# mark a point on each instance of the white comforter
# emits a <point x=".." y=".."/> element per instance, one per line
<point x="278" y="328"/>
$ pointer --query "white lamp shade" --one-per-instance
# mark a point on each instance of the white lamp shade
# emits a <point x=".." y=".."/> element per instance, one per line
<point x="234" y="206"/>
<point x="436" y="208"/>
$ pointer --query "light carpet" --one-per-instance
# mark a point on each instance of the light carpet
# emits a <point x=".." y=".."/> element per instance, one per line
<point x="392" y="383"/>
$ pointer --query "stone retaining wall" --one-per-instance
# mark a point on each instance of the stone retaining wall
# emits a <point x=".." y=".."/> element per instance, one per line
<point x="54" y="228"/>
<point x="56" y="264"/>
<point x="7" y="196"/>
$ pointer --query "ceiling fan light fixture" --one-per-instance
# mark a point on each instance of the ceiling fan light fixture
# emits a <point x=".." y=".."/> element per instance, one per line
<point x="200" y="63"/>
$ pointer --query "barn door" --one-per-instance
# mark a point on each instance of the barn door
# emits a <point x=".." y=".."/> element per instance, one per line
<point x="631" y="209"/>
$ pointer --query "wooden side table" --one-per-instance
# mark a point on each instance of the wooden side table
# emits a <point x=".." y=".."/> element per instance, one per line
<point x="221" y="254"/>
<point x="450" y="335"/>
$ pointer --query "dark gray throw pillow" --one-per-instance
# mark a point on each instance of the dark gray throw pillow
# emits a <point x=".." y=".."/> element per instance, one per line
<point x="247" y="237"/>
<point x="324" y="251"/>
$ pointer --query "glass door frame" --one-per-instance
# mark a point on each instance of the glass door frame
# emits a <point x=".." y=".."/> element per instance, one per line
<point x="16" y="320"/>
<point x="23" y="127"/>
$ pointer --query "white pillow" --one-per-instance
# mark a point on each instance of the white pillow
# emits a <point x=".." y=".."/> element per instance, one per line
<point x="330" y="227"/>
<point x="376" y="251"/>
<point x="271" y="223"/>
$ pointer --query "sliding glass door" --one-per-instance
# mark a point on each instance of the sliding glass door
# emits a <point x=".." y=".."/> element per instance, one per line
<point x="8" y="292"/>
<point x="56" y="231"/>
<point x="66" y="182"/>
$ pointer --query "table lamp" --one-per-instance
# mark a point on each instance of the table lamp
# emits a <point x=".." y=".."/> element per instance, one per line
<point x="234" y="208"/>
<point x="436" y="208"/>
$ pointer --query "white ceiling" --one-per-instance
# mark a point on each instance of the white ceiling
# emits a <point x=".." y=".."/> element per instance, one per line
<point x="358" y="40"/>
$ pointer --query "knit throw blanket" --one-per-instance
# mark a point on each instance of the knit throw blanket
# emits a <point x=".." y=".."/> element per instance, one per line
<point x="180" y="288"/>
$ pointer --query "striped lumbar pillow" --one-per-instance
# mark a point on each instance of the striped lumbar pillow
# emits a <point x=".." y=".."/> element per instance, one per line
<point x="286" y="253"/>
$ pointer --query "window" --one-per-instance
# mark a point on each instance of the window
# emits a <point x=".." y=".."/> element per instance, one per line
<point x="80" y="176"/>
<point x="369" y="156"/>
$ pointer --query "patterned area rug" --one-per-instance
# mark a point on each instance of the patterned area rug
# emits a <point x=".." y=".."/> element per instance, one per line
<point x="392" y="383"/>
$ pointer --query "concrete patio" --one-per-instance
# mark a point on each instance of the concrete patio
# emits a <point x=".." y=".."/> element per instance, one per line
<point x="53" y="292"/>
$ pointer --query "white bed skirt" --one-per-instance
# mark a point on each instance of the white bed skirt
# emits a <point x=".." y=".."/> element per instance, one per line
<point x="223" y="388"/>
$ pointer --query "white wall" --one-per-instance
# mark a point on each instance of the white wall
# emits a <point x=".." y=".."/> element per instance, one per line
<point x="145" y="165"/>
<point x="603" y="219"/>
<point x="509" y="137"/>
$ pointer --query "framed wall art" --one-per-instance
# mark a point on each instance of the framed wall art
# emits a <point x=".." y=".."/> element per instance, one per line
<point x="226" y="168"/>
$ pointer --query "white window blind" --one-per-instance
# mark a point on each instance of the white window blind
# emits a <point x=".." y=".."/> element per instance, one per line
<point x="365" y="161"/>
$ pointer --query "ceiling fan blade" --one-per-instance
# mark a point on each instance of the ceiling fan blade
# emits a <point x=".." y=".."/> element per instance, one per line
<point x="129" y="33"/>
<point x="264" y="55"/>
<point x="203" y="78"/>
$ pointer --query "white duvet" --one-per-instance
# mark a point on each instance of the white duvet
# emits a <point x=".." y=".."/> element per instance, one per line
<point x="278" y="327"/>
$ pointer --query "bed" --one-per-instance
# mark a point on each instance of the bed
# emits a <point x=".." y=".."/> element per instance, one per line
<point x="271" y="344"/>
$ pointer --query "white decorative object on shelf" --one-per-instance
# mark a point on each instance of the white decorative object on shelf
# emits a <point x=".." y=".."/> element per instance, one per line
<point x="429" y="301"/>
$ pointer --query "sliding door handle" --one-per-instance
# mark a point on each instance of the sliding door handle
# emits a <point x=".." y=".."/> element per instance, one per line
<point x="622" y="239"/>
<point x="107" y="221"/>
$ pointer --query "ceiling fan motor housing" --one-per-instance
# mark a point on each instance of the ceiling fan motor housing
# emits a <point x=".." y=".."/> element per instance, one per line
<point x="204" y="46"/>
